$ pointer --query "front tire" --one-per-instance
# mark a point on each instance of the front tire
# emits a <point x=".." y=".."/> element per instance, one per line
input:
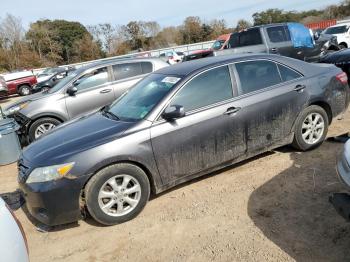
<point x="42" y="126"/>
<point x="311" y="128"/>
<point x="117" y="193"/>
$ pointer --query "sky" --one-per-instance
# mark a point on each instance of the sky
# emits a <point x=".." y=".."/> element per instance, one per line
<point x="165" y="12"/>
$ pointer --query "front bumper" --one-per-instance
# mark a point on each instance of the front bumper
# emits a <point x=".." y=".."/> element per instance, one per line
<point x="54" y="203"/>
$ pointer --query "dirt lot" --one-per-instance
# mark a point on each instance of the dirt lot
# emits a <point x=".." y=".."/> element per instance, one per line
<point x="271" y="208"/>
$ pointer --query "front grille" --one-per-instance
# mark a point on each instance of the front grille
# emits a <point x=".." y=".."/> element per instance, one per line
<point x="22" y="171"/>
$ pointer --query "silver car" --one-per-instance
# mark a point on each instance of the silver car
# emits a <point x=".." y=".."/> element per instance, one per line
<point x="13" y="246"/>
<point x="86" y="89"/>
<point x="343" y="165"/>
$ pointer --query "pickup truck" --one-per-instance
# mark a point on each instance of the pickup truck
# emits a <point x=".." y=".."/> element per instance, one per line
<point x="20" y="82"/>
<point x="287" y="39"/>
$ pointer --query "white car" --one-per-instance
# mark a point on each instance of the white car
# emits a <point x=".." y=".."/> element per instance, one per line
<point x="342" y="32"/>
<point x="171" y="57"/>
<point x="13" y="244"/>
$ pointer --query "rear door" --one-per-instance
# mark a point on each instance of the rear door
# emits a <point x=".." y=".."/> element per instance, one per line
<point x="279" y="42"/>
<point x="271" y="97"/>
<point x="125" y="75"/>
<point x="94" y="91"/>
<point x="210" y="133"/>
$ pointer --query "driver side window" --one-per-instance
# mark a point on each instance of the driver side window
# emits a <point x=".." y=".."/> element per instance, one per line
<point x="207" y="88"/>
<point x="93" y="79"/>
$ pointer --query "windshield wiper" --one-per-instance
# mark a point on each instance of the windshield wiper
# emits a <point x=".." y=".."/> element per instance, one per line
<point x="109" y="114"/>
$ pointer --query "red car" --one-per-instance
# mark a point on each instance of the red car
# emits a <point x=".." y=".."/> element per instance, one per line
<point x="20" y="82"/>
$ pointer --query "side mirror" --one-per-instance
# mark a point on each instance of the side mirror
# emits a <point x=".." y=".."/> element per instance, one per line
<point x="72" y="90"/>
<point x="173" y="112"/>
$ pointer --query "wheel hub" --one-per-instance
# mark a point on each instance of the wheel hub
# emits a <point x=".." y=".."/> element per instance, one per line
<point x="119" y="195"/>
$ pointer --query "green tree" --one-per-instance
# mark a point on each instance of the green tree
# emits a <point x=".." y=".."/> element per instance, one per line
<point x="54" y="39"/>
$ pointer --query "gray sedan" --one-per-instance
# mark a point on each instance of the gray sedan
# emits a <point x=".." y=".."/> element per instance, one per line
<point x="177" y="124"/>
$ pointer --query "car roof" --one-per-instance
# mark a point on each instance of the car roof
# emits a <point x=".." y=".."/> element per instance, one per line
<point x="113" y="61"/>
<point x="187" y="68"/>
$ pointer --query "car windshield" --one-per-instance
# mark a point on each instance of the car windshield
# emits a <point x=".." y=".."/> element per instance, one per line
<point x="218" y="44"/>
<point x="336" y="30"/>
<point x="63" y="82"/>
<point x="136" y="103"/>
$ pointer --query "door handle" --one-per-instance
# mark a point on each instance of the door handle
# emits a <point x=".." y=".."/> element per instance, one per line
<point x="232" y="110"/>
<point x="104" y="91"/>
<point x="299" y="88"/>
<point x="273" y="50"/>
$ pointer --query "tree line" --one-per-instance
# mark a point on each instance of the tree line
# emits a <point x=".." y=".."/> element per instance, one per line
<point x="56" y="42"/>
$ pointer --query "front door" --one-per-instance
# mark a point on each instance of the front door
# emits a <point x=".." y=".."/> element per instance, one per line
<point x="211" y="133"/>
<point x="94" y="91"/>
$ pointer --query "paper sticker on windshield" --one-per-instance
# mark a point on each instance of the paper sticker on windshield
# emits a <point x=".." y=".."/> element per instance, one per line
<point x="171" y="80"/>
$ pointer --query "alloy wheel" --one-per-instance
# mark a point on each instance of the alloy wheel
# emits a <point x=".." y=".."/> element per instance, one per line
<point x="119" y="195"/>
<point x="312" y="128"/>
<point x="43" y="128"/>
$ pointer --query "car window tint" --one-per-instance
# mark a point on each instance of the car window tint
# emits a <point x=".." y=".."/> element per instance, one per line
<point x="277" y="34"/>
<point x="208" y="88"/>
<point x="256" y="75"/>
<point x="122" y="71"/>
<point x="250" y="37"/>
<point x="93" y="79"/>
<point x="147" y="67"/>
<point x="288" y="74"/>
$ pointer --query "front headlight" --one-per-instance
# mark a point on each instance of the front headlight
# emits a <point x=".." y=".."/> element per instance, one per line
<point x="49" y="173"/>
<point x="13" y="109"/>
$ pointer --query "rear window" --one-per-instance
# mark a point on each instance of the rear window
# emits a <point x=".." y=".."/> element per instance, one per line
<point x="123" y="71"/>
<point x="256" y="75"/>
<point x="278" y="34"/>
<point x="246" y="38"/>
<point x="288" y="74"/>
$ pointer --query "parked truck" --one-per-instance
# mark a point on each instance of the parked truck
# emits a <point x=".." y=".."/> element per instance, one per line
<point x="287" y="39"/>
<point x="20" y="82"/>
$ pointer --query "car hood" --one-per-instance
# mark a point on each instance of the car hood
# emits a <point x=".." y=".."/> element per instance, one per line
<point x="339" y="57"/>
<point x="74" y="136"/>
<point x="32" y="97"/>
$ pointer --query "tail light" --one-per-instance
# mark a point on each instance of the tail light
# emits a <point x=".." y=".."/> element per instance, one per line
<point x="20" y="227"/>
<point x="171" y="57"/>
<point x="342" y="78"/>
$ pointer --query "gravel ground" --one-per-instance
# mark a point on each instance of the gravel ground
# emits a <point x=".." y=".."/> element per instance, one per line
<point x="271" y="208"/>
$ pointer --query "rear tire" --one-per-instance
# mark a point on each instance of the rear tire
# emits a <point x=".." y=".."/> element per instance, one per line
<point x="311" y="128"/>
<point x="107" y="193"/>
<point x="24" y="90"/>
<point x="41" y="126"/>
